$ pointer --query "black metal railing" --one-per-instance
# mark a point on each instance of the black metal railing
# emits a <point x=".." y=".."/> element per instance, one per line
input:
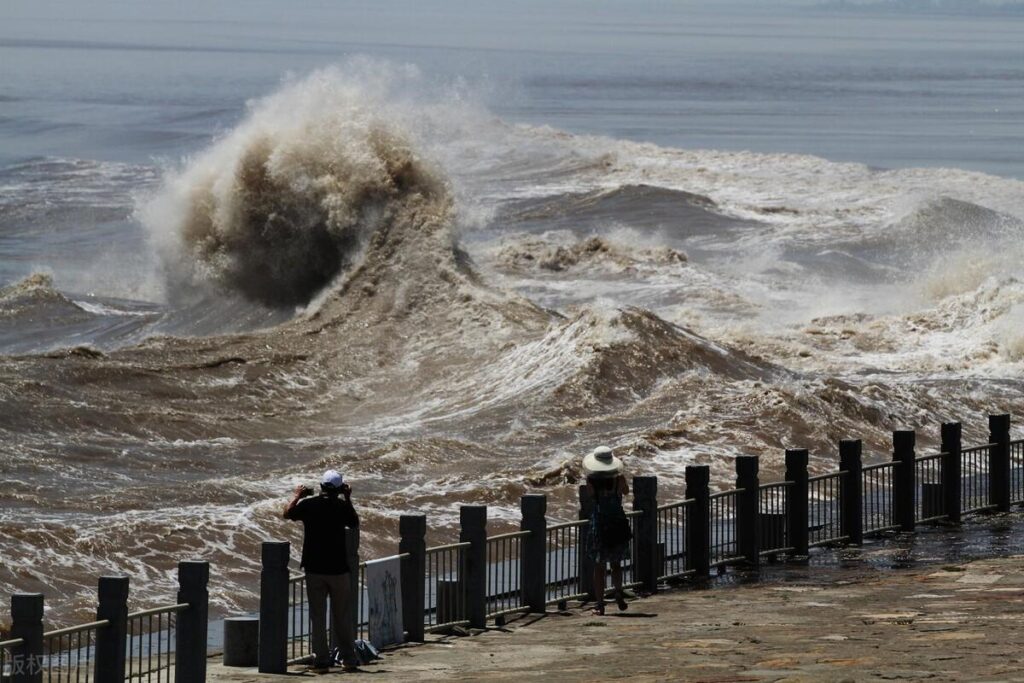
<point x="504" y="573"/>
<point x="930" y="500"/>
<point x="974" y="465"/>
<point x="877" y="483"/>
<point x="68" y="653"/>
<point x="1017" y="472"/>
<point x="672" y="520"/>
<point x="151" y="643"/>
<point x="824" y="509"/>
<point x="445" y="594"/>
<point x="724" y="528"/>
<point x="7" y="658"/>
<point x="299" y="634"/>
<point x="773" y="504"/>
<point x="563" y="562"/>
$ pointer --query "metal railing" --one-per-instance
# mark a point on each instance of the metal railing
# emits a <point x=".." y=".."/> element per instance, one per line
<point x="672" y="539"/>
<point x="1017" y="471"/>
<point x="824" y="509"/>
<point x="151" y="643"/>
<point x="7" y="663"/>
<point x="877" y="481"/>
<point x="724" y="528"/>
<point x="930" y="505"/>
<point x="445" y="593"/>
<point x="773" y="505"/>
<point x="974" y="464"/>
<point x="68" y="652"/>
<point x="299" y="635"/>
<point x="504" y="573"/>
<point x="564" y="557"/>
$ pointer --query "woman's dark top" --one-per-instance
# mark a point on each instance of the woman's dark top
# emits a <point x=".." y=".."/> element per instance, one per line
<point x="610" y="534"/>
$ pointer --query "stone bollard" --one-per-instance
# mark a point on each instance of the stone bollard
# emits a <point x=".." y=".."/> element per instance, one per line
<point x="951" y="465"/>
<point x="273" y="630"/>
<point x="473" y="521"/>
<point x="533" y="561"/>
<point x="241" y="641"/>
<point x="748" y="508"/>
<point x="413" y="532"/>
<point x="698" y="522"/>
<point x="110" y="640"/>
<point x="797" y="501"/>
<point x="645" y="499"/>
<point x="852" y="490"/>
<point x="999" y="461"/>
<point x="904" y="493"/>
<point x="190" y="655"/>
<point x="27" y="624"/>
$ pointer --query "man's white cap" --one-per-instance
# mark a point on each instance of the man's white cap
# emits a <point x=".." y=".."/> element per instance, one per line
<point x="331" y="479"/>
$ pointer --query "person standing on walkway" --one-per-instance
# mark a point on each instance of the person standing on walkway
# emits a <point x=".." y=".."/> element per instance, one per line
<point x="610" y="535"/>
<point x="324" y="519"/>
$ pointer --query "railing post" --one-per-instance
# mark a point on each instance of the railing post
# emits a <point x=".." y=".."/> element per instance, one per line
<point x="413" y="532"/>
<point x="748" y="504"/>
<point x="586" y="565"/>
<point x="27" y="624"/>
<point x="111" y="640"/>
<point x="645" y="498"/>
<point x="797" y="501"/>
<point x="473" y="521"/>
<point x="999" y="462"/>
<point x="904" y="494"/>
<point x="533" y="559"/>
<point x="952" y="445"/>
<point x="190" y="654"/>
<point x="852" y="491"/>
<point x="698" y="521"/>
<point x="273" y="648"/>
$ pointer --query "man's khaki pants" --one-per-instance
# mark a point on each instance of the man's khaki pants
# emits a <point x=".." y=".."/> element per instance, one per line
<point x="338" y="586"/>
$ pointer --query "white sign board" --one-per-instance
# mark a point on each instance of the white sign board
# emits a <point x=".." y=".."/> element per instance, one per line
<point x="384" y="599"/>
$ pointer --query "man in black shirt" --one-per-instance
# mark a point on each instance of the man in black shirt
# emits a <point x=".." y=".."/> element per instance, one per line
<point x="324" y="519"/>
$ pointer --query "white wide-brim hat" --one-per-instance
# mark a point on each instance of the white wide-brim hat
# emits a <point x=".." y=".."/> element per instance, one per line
<point x="602" y="461"/>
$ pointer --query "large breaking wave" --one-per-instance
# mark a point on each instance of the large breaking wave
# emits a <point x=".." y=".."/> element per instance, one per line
<point x="280" y="206"/>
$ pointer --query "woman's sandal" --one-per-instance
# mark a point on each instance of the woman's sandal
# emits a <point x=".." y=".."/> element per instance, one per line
<point x="598" y="611"/>
<point x="621" y="602"/>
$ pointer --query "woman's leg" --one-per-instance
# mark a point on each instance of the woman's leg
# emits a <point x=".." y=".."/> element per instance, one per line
<point x="599" y="586"/>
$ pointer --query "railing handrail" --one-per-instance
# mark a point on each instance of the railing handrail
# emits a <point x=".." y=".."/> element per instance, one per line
<point x="972" y="449"/>
<point x="677" y="504"/>
<point x="634" y="513"/>
<point x="930" y="456"/>
<point x="730" y="492"/>
<point x="450" y="546"/>
<point x="76" y="629"/>
<point x="566" y="525"/>
<point x="827" y="475"/>
<point x="166" y="609"/>
<point x="770" y="484"/>
<point x="879" y="465"/>
<point x="511" y="534"/>
<point x="14" y="642"/>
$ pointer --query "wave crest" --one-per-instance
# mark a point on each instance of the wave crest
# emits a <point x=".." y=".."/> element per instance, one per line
<point x="282" y="205"/>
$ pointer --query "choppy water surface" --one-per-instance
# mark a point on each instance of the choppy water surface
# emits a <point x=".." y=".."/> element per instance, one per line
<point x="459" y="247"/>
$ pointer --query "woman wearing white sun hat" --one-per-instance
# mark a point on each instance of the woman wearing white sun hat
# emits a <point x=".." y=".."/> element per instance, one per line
<point x="610" y="534"/>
